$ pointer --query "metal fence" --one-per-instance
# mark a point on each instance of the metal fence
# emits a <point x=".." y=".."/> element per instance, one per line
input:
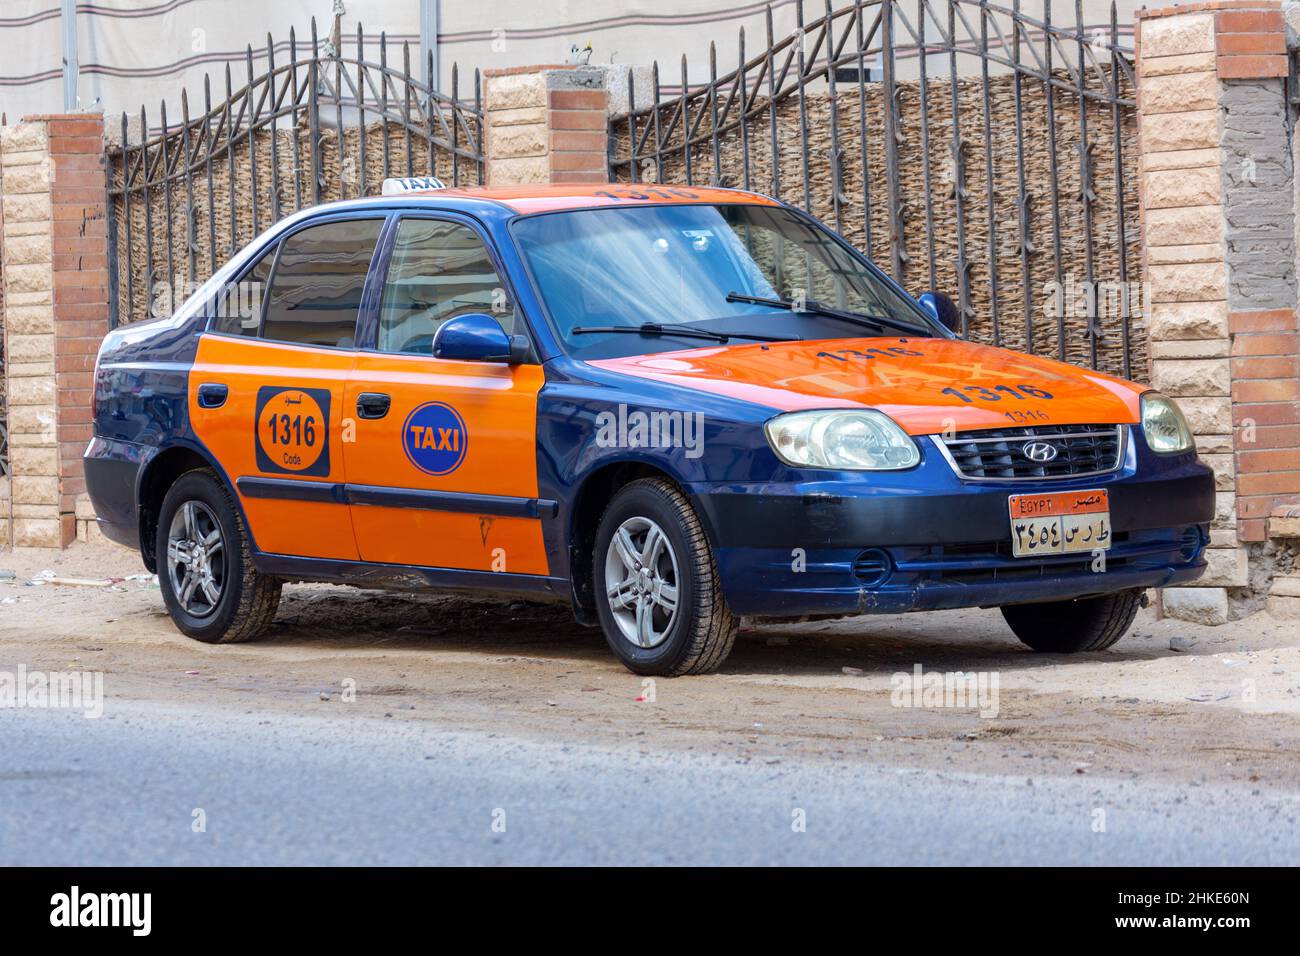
<point x="1292" y="90"/>
<point x="965" y="146"/>
<point x="321" y="126"/>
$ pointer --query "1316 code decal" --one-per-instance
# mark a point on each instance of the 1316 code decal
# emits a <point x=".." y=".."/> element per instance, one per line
<point x="292" y="430"/>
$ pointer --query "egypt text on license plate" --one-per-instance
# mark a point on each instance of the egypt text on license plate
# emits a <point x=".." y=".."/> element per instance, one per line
<point x="1060" y="522"/>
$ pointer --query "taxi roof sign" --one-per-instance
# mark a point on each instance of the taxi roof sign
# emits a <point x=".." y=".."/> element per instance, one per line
<point x="412" y="184"/>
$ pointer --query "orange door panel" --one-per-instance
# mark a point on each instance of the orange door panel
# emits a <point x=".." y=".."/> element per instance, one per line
<point x="453" y="434"/>
<point x="280" y="429"/>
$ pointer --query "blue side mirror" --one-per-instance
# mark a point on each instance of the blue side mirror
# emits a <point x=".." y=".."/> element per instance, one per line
<point x="943" y="309"/>
<point x="477" y="337"/>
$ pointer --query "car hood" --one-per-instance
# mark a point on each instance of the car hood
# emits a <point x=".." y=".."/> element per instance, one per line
<point x="926" y="385"/>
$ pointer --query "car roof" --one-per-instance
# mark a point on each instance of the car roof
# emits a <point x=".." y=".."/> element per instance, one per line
<point x="552" y="198"/>
<point x="525" y="199"/>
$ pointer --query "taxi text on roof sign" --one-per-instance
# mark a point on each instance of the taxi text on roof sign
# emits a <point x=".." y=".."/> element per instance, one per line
<point x="412" y="184"/>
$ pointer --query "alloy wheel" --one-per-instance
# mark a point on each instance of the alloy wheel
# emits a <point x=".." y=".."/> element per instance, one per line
<point x="196" y="558"/>
<point x="641" y="582"/>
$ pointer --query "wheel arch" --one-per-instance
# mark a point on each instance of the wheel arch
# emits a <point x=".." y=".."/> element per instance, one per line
<point x="592" y="496"/>
<point x="156" y="478"/>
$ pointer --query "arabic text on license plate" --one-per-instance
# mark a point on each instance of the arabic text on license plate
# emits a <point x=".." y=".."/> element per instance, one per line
<point x="1060" y="522"/>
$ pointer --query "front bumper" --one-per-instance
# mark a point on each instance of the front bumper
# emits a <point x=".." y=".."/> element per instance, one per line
<point x="925" y="540"/>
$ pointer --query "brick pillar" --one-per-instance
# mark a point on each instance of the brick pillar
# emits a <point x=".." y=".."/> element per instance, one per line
<point x="54" y="249"/>
<point x="1218" y="224"/>
<point x="80" y="234"/>
<point x="546" y="124"/>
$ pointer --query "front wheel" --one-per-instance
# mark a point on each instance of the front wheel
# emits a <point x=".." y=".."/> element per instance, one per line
<point x="658" y="595"/>
<point x="1068" y="627"/>
<point x="211" y="589"/>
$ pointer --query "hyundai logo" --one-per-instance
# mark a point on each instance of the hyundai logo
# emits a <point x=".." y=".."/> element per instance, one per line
<point x="1039" y="451"/>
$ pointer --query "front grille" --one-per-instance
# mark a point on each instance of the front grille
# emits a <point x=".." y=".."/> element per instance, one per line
<point x="999" y="454"/>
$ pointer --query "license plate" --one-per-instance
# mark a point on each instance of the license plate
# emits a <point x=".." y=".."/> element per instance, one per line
<point x="1061" y="522"/>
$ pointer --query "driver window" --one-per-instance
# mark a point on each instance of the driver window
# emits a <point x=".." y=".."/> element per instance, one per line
<point x="439" y="270"/>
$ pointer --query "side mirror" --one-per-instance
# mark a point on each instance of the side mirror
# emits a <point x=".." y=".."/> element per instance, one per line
<point x="943" y="309"/>
<point x="477" y="337"/>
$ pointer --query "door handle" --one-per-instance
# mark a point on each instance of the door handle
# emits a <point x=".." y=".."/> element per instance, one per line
<point x="373" y="404"/>
<point x="212" y="395"/>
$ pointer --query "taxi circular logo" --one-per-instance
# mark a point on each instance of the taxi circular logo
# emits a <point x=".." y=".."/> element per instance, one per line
<point x="435" y="438"/>
<point x="291" y="430"/>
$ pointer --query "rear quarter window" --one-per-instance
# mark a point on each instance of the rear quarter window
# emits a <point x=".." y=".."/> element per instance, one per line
<point x="239" y="306"/>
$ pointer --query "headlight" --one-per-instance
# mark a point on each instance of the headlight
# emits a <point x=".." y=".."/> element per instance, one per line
<point x="1164" y="425"/>
<point x="864" y="440"/>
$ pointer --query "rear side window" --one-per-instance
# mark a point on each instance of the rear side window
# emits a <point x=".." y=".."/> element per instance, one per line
<point x="439" y="269"/>
<point x="239" y="306"/>
<point x="316" y="289"/>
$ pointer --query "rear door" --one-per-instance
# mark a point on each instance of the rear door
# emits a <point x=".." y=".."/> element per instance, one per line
<point x="267" y="386"/>
<point x="443" y="472"/>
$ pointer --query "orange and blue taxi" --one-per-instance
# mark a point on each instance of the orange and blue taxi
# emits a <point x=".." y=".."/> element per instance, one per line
<point x="668" y="407"/>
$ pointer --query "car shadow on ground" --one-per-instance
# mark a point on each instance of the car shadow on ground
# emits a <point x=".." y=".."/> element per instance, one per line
<point x="971" y="640"/>
<point x="347" y="617"/>
<point x="866" y="646"/>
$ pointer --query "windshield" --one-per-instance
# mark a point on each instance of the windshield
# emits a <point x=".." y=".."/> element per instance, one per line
<point x="653" y="268"/>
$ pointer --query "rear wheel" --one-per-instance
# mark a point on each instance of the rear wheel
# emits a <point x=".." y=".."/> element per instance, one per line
<point x="211" y="589"/>
<point x="658" y="595"/>
<point x="1068" y="627"/>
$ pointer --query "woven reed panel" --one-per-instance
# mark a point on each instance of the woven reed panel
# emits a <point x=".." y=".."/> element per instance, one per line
<point x="864" y="204"/>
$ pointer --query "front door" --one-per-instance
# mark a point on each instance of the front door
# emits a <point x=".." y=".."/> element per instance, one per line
<point x="443" y="469"/>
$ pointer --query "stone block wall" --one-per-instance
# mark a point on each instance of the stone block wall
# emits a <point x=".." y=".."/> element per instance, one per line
<point x="55" y="274"/>
<point x="1219" y="227"/>
<point x="27" y="247"/>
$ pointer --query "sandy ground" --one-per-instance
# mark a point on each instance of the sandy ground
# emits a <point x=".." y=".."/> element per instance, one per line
<point x="1224" y="711"/>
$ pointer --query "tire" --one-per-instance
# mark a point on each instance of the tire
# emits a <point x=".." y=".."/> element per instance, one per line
<point x="1069" y="627"/>
<point x="238" y="603"/>
<point x="697" y="635"/>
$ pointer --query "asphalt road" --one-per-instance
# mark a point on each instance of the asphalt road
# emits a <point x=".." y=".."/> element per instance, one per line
<point x="285" y="789"/>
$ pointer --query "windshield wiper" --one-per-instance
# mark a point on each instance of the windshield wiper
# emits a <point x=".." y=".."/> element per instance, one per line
<point x="685" y="331"/>
<point x="877" y="322"/>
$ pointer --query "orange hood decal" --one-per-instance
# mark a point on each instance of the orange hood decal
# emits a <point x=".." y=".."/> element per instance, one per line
<point x="926" y="385"/>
